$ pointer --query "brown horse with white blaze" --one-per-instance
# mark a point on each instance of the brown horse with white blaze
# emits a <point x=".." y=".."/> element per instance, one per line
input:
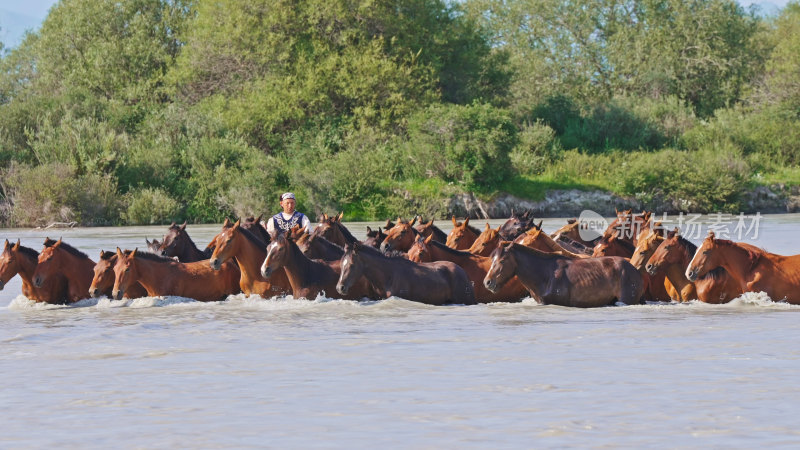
<point x="161" y="276"/>
<point x="754" y="269"/>
<point x="435" y="283"/>
<point x="557" y="280"/>
<point x="103" y="281"/>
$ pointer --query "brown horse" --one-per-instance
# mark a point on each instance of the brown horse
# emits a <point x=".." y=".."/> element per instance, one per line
<point x="462" y="236"/>
<point x="62" y="260"/>
<point x="317" y="247"/>
<point x="428" y="250"/>
<point x="612" y="245"/>
<point x="152" y="246"/>
<point x="487" y="241"/>
<point x="754" y="269"/>
<point x="308" y="277"/>
<point x="234" y="241"/>
<point x="253" y="225"/>
<point x="103" y="281"/>
<point x="374" y="237"/>
<point x="434" y="283"/>
<point x="516" y="225"/>
<point x="629" y="225"/>
<point x="178" y="243"/>
<point x="18" y="259"/>
<point x="161" y="276"/>
<point x="572" y="232"/>
<point x="332" y="229"/>
<point x="537" y="239"/>
<point x="429" y="229"/>
<point x="557" y="280"/>
<point x="400" y="237"/>
<point x="672" y="256"/>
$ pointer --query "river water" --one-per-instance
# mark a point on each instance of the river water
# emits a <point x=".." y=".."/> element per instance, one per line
<point x="285" y="373"/>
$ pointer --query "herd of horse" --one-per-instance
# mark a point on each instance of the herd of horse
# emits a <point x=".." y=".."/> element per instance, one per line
<point x="635" y="260"/>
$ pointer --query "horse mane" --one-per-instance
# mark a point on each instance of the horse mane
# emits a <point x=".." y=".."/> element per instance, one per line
<point x="29" y="252"/>
<point x="449" y="250"/>
<point x="715" y="273"/>
<point x="687" y="245"/>
<point x="627" y="245"/>
<point x="374" y="251"/>
<point x="252" y="237"/>
<point x="537" y="253"/>
<point x="108" y="256"/>
<point x="70" y="249"/>
<point x="473" y="229"/>
<point x="324" y="241"/>
<point x="347" y="234"/>
<point x="151" y="256"/>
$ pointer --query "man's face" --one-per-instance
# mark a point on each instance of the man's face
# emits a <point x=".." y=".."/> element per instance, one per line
<point x="288" y="205"/>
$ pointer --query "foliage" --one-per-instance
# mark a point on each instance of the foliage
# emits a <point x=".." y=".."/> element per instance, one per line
<point x="150" y="206"/>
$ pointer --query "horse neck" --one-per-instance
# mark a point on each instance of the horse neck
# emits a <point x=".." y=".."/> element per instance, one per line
<point x="544" y="267"/>
<point x="26" y="266"/>
<point x="298" y="266"/>
<point x="153" y="275"/>
<point x="374" y="269"/>
<point x="249" y="257"/>
<point x="440" y="254"/>
<point x="190" y="251"/>
<point x="346" y="234"/>
<point x="736" y="261"/>
<point x="325" y="247"/>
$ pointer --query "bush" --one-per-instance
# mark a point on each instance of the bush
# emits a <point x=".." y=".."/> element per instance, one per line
<point x="469" y="145"/>
<point x="150" y="206"/>
<point x="537" y="149"/>
<point x="54" y="192"/>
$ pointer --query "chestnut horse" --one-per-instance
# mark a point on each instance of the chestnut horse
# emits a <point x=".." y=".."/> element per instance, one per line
<point x="434" y="283"/>
<point x="234" y="241"/>
<point x="486" y="242"/>
<point x="516" y="225"/>
<point x="317" y="247"/>
<point x="557" y="280"/>
<point x="332" y="229"/>
<point x="463" y="235"/>
<point x="308" y="277"/>
<point x="612" y="245"/>
<point x="401" y="236"/>
<point x="62" y="260"/>
<point x="672" y="256"/>
<point x="178" y="243"/>
<point x="18" y="259"/>
<point x="160" y="276"/>
<point x="429" y="229"/>
<point x="537" y="239"/>
<point x="754" y="269"/>
<point x="572" y="231"/>
<point x="103" y="281"/>
<point x="428" y="250"/>
<point x="657" y="288"/>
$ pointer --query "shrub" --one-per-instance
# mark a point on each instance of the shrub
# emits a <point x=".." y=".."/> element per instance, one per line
<point x="537" y="148"/>
<point x="150" y="206"/>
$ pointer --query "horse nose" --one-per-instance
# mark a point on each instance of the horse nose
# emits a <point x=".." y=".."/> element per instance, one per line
<point x="651" y="269"/>
<point x="489" y="284"/>
<point x="37" y="281"/>
<point x="386" y="246"/>
<point x="214" y="263"/>
<point x="94" y="292"/>
<point x="117" y="295"/>
<point x="691" y="274"/>
<point x="340" y="289"/>
<point x="266" y="271"/>
<point x="2" y="285"/>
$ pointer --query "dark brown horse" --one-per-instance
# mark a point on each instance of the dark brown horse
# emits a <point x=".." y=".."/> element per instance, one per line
<point x="308" y="277"/>
<point x="400" y="237"/>
<point x="434" y="283"/>
<point x="672" y="256"/>
<point x="162" y="276"/>
<point x="476" y="267"/>
<point x="253" y="225"/>
<point x="557" y="280"/>
<point x="152" y="246"/>
<point x="317" y="247"/>
<point x="62" y="260"/>
<point x="18" y="259"/>
<point x="429" y="229"/>
<point x="463" y="235"/>
<point x="332" y="229"/>
<point x="516" y="225"/>
<point x="374" y="237"/>
<point x="234" y="241"/>
<point x="178" y="243"/>
<point x="103" y="281"/>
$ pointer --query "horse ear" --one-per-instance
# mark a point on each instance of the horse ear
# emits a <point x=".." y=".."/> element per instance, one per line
<point x="58" y="243"/>
<point x="102" y="254"/>
<point x="172" y="224"/>
<point x="677" y="231"/>
<point x="339" y="217"/>
<point x="540" y="224"/>
<point x="183" y="227"/>
<point x="5" y="246"/>
<point x="119" y="253"/>
<point x="455" y="224"/>
<point x="16" y="246"/>
<point x="571" y="221"/>
<point x="259" y="218"/>
<point x="711" y="235"/>
<point x="429" y="238"/>
<point x="466" y="222"/>
<point x="238" y="223"/>
<point x="498" y="227"/>
<point x="227" y="223"/>
<point x="369" y="230"/>
<point x="133" y="253"/>
<point x="324" y="217"/>
<point x="413" y="221"/>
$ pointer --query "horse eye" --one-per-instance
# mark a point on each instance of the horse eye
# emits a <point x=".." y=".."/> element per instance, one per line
<point x="128" y="269"/>
<point x="706" y="252"/>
